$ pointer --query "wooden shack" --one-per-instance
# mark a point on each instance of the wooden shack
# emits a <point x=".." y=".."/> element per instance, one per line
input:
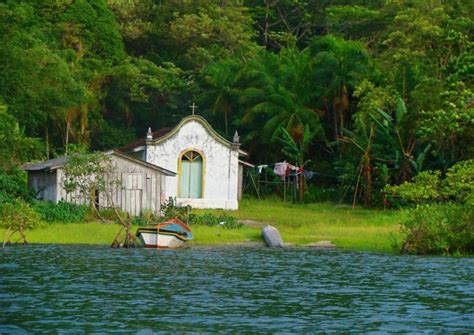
<point x="140" y="185"/>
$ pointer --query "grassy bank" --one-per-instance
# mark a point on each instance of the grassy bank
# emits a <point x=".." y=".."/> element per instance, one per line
<point x="358" y="229"/>
<point x="353" y="229"/>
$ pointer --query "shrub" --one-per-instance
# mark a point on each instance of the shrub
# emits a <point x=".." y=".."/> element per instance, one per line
<point x="146" y="218"/>
<point x="208" y="219"/>
<point x="13" y="185"/>
<point x="459" y="182"/>
<point x="321" y="194"/>
<point x="426" y="187"/>
<point x="439" y="229"/>
<point x="61" y="212"/>
<point x="170" y="210"/>
<point x="17" y="216"/>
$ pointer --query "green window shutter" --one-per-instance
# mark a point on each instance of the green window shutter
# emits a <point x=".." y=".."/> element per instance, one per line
<point x="195" y="180"/>
<point x="190" y="179"/>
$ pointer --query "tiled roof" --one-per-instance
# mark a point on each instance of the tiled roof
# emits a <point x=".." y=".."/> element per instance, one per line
<point x="141" y="141"/>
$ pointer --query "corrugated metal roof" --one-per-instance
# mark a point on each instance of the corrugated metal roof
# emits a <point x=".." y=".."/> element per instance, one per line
<point x="51" y="164"/>
<point x="59" y="162"/>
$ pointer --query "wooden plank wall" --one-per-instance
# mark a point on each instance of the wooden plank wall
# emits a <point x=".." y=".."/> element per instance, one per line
<point x="44" y="184"/>
<point x="139" y="188"/>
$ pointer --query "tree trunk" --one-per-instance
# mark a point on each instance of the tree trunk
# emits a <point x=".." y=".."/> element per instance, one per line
<point x="301" y="186"/>
<point x="67" y="137"/>
<point x="265" y="32"/>
<point x="46" y="133"/>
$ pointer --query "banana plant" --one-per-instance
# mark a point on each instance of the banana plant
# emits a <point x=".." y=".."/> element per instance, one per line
<point x="406" y="156"/>
<point x="296" y="151"/>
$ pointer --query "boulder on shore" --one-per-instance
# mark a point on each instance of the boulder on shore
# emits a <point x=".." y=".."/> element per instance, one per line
<point x="272" y="237"/>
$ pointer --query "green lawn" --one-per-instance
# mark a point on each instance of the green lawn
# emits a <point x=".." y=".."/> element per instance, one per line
<point x="358" y="229"/>
<point x="353" y="229"/>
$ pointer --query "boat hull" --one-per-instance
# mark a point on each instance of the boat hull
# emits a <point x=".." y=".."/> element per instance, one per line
<point x="160" y="240"/>
<point x="169" y="234"/>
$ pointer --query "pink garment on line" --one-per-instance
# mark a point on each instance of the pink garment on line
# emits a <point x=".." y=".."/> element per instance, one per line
<point x="280" y="169"/>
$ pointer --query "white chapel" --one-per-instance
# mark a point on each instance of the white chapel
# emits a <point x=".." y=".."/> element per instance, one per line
<point x="208" y="169"/>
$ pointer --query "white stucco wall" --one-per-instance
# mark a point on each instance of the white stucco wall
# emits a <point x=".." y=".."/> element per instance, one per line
<point x="220" y="189"/>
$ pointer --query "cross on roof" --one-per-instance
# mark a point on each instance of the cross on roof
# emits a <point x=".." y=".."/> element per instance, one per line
<point x="193" y="107"/>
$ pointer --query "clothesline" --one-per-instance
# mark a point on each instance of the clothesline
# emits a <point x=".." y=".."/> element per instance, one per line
<point x="285" y="169"/>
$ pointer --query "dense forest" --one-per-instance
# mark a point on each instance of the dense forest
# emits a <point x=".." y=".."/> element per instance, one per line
<point x="370" y="92"/>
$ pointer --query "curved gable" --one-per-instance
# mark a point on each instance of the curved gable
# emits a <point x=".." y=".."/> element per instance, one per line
<point x="196" y="118"/>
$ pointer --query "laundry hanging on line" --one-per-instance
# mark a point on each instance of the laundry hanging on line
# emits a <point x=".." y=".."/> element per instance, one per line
<point x="285" y="169"/>
<point x="261" y="167"/>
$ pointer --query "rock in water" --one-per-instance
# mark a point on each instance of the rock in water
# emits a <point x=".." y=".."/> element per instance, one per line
<point x="272" y="237"/>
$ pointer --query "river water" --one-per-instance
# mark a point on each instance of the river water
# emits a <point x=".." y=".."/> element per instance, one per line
<point x="90" y="289"/>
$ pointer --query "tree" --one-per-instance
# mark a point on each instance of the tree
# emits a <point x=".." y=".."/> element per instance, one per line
<point x="17" y="217"/>
<point x="16" y="148"/>
<point x="339" y="66"/>
<point x="282" y="95"/>
<point x="210" y="32"/>
<point x="87" y="174"/>
<point x="221" y="79"/>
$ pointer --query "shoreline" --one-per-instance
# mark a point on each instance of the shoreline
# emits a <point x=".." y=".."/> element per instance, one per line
<point x="359" y="229"/>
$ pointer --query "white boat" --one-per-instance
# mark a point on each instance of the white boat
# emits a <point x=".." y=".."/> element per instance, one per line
<point x="170" y="234"/>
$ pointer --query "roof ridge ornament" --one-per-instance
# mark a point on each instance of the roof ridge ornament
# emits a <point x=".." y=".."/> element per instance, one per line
<point x="193" y="107"/>
<point x="149" y="134"/>
<point x="236" y="138"/>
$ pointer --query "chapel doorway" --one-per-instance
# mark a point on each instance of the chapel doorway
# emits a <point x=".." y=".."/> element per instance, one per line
<point x="190" y="175"/>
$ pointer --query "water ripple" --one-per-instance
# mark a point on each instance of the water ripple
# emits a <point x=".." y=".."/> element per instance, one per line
<point x="89" y="289"/>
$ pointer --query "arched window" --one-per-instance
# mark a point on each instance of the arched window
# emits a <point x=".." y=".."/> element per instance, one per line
<point x="190" y="175"/>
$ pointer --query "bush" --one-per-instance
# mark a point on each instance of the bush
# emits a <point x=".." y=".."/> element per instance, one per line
<point x="208" y="219"/>
<point x="17" y="217"/>
<point x="459" y="182"/>
<point x="321" y="194"/>
<point x="428" y="187"/>
<point x="13" y="184"/>
<point x="439" y="229"/>
<point x="170" y="210"/>
<point x="61" y="212"/>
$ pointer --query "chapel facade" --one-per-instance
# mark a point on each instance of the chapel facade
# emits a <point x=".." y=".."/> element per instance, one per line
<point x="207" y="166"/>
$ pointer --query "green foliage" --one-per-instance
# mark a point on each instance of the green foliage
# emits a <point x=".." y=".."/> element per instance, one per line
<point x="147" y="217"/>
<point x="16" y="148"/>
<point x="13" y="185"/>
<point x="79" y="169"/>
<point x="92" y="26"/>
<point x="390" y="82"/>
<point x="295" y="151"/>
<point x="170" y="210"/>
<point x="439" y="229"/>
<point x="17" y="217"/>
<point x="211" y="31"/>
<point x="425" y="187"/>
<point x="459" y="182"/>
<point x="64" y="212"/>
<point x="208" y="219"/>
<point x="458" y="185"/>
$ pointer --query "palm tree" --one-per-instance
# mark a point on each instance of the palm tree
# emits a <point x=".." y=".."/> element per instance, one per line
<point x="221" y="80"/>
<point x="338" y="66"/>
<point x="282" y="95"/>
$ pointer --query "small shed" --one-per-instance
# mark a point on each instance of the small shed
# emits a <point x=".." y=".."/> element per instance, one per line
<point x="141" y="185"/>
